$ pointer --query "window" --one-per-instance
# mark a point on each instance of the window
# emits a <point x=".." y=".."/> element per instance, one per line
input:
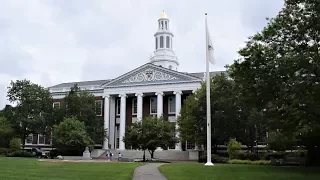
<point x="29" y="139"/>
<point x="41" y="139"/>
<point x="156" y="43"/>
<point x="118" y="106"/>
<point x="161" y="42"/>
<point x="190" y="145"/>
<point x="172" y="105"/>
<point x="167" y="42"/>
<point x="98" y="107"/>
<point x="153" y="105"/>
<point x="166" y="24"/>
<point x="134" y="106"/>
<point x="56" y="105"/>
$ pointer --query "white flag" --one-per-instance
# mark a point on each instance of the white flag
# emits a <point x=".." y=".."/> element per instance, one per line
<point x="210" y="49"/>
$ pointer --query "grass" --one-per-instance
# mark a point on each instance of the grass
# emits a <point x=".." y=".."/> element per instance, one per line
<point x="197" y="171"/>
<point x="31" y="169"/>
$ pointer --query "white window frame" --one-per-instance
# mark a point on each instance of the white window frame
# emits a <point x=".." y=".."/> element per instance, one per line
<point x="26" y="140"/>
<point x="133" y="106"/>
<point x="156" y="109"/>
<point x="53" y="104"/>
<point x="100" y="107"/>
<point x="44" y="139"/>
<point x="169" y="105"/>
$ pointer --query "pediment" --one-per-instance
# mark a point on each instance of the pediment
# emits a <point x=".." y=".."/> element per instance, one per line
<point x="151" y="74"/>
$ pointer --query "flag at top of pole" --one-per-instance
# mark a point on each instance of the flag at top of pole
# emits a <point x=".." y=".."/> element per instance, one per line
<point x="209" y="58"/>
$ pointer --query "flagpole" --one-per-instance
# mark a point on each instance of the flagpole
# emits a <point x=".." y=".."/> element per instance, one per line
<point x="209" y="163"/>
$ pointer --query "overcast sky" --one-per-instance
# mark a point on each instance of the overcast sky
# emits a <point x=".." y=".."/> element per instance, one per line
<point x="55" y="41"/>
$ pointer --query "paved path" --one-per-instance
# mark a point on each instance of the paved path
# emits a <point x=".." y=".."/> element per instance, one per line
<point x="148" y="172"/>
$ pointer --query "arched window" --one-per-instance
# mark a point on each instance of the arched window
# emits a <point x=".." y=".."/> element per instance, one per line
<point x="161" y="42"/>
<point x="167" y="42"/>
<point x="166" y="25"/>
<point x="156" y="43"/>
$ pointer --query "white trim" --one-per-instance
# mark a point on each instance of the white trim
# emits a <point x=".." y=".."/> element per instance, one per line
<point x="101" y="109"/>
<point x="174" y="100"/>
<point x="153" y="88"/>
<point x="118" y="107"/>
<point x="154" y="98"/>
<point x="134" y="98"/>
<point x="53" y="104"/>
<point x="44" y="140"/>
<point x="27" y="138"/>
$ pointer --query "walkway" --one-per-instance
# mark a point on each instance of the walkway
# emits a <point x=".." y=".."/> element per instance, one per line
<point x="148" y="172"/>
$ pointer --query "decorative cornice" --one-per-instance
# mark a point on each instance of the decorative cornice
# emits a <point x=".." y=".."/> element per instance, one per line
<point x="123" y="95"/>
<point x="178" y="92"/>
<point x="149" y="84"/>
<point x="139" y="94"/>
<point x="159" y="93"/>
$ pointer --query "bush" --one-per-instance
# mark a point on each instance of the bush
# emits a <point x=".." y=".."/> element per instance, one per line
<point x="15" y="144"/>
<point x="4" y="151"/>
<point x="245" y="156"/>
<point x="274" y="155"/>
<point x="238" y="161"/>
<point x="214" y="158"/>
<point x="20" y="154"/>
<point x="234" y="148"/>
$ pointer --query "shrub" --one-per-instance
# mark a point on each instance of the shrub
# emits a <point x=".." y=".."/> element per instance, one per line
<point x="245" y="156"/>
<point x="274" y="155"/>
<point x="4" y="151"/>
<point x="238" y="161"/>
<point x="214" y="158"/>
<point x="15" y="144"/>
<point x="20" y="154"/>
<point x="234" y="147"/>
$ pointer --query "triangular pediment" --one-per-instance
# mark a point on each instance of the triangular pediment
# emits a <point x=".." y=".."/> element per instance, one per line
<point x="151" y="74"/>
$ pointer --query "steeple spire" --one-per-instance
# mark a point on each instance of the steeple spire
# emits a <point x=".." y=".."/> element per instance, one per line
<point x="164" y="55"/>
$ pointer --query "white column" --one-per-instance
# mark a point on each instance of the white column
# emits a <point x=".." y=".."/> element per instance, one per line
<point x="112" y="121"/>
<point x="159" y="104"/>
<point x="122" y="120"/>
<point x="139" y="106"/>
<point x="178" y="107"/>
<point x="106" y="121"/>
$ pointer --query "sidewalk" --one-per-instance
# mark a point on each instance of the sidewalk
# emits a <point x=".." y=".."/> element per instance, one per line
<point x="148" y="172"/>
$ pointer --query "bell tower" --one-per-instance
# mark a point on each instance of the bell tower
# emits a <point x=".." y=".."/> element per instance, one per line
<point x="164" y="55"/>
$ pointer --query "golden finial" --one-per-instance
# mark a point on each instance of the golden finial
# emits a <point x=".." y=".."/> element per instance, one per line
<point x="164" y="15"/>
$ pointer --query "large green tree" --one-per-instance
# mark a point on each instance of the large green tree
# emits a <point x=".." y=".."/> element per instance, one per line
<point x="71" y="132"/>
<point x="6" y="132"/>
<point x="33" y="107"/>
<point x="82" y="105"/>
<point x="149" y="134"/>
<point x="280" y="68"/>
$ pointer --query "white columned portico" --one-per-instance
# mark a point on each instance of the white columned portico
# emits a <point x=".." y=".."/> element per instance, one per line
<point x="122" y="120"/>
<point x="139" y="105"/>
<point x="178" y="107"/>
<point x="106" y="121"/>
<point x="159" y="104"/>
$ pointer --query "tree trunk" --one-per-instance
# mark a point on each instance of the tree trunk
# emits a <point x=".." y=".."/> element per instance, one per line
<point x="144" y="155"/>
<point x="151" y="153"/>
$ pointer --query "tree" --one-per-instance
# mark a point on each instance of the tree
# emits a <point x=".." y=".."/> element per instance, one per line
<point x="234" y="147"/>
<point x="280" y="70"/>
<point x="33" y="107"/>
<point x="193" y="123"/>
<point x="6" y="132"/>
<point x="279" y="142"/>
<point x="71" y="132"/>
<point x="149" y="134"/>
<point x="82" y="105"/>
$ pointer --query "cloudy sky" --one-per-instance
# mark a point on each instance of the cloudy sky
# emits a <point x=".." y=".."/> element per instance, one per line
<point x="55" y="41"/>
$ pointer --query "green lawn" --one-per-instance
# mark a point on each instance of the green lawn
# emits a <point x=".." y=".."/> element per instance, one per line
<point x="31" y="169"/>
<point x="197" y="171"/>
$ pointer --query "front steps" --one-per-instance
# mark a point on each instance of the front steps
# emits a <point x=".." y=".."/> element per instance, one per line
<point x="171" y="155"/>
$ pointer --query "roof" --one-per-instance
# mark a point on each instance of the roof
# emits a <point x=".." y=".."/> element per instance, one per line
<point x="102" y="82"/>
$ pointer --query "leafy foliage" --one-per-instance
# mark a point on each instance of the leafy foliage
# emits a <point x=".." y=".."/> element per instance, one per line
<point x="71" y="132"/>
<point x="6" y="132"/>
<point x="34" y="107"/>
<point x="234" y="147"/>
<point x="15" y="144"/>
<point x="149" y="134"/>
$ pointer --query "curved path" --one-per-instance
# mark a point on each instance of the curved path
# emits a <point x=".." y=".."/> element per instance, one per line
<point x="148" y="172"/>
